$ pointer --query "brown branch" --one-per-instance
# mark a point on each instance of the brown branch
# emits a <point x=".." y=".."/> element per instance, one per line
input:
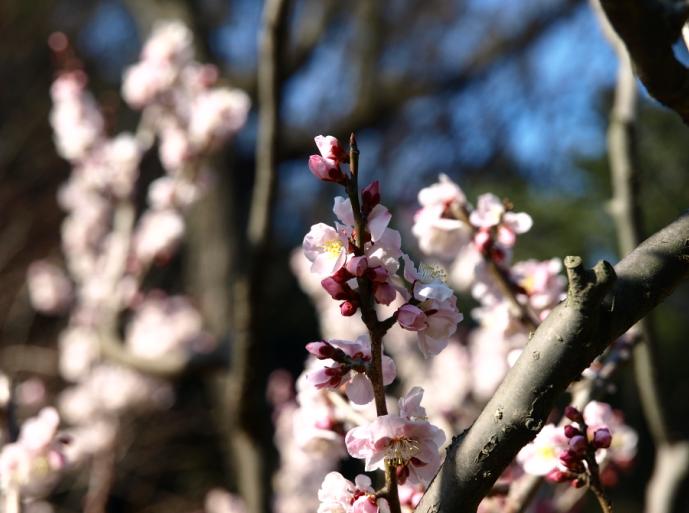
<point x="252" y="434"/>
<point x="648" y="29"/>
<point x="562" y="347"/>
<point x="671" y="467"/>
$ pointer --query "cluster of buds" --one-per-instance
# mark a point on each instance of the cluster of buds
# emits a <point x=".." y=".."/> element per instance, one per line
<point x="362" y="249"/>
<point x="348" y="363"/>
<point x="579" y="459"/>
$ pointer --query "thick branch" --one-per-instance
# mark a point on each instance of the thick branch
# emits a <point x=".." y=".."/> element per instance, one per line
<point x="252" y="438"/>
<point x="649" y="28"/>
<point x="561" y="348"/>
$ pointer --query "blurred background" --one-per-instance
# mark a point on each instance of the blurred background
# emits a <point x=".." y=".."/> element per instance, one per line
<point x="505" y="97"/>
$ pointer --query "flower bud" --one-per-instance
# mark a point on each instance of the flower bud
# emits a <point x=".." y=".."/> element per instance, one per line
<point x="320" y="349"/>
<point x="558" y="476"/>
<point x="570" y="458"/>
<point x="573" y="414"/>
<point x="377" y="274"/>
<point x="384" y="293"/>
<point x="370" y="196"/>
<point x="411" y="318"/>
<point x="335" y="289"/>
<point x="348" y="308"/>
<point x="578" y="444"/>
<point x="326" y="169"/>
<point x="357" y="266"/>
<point x="602" y="438"/>
<point x="571" y="431"/>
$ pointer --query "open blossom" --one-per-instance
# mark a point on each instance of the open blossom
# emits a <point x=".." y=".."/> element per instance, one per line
<point x="541" y="283"/>
<point x="75" y="118"/>
<point x="491" y="213"/>
<point x="49" y="289"/>
<point x="409" y="443"/>
<point x="542" y="456"/>
<point x="438" y="231"/>
<point x="326" y="248"/>
<point x="158" y="234"/>
<point x="339" y="495"/>
<point x="435" y="316"/>
<point x="164" y="325"/>
<point x="347" y="366"/>
<point x="376" y="221"/>
<point x="216" y="115"/>
<point x="32" y="462"/>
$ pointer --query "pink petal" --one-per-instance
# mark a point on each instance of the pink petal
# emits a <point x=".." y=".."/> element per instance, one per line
<point x="360" y="389"/>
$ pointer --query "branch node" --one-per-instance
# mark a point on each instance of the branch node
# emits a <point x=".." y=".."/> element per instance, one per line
<point x="587" y="286"/>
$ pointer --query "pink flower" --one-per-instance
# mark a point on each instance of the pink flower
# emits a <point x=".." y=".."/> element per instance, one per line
<point x="158" y="234"/>
<point x="326" y="248"/>
<point x="331" y="148"/>
<point x="542" y="456"/>
<point x="376" y="221"/>
<point x="216" y="115"/>
<point x="339" y="495"/>
<point x="438" y="232"/>
<point x="410" y="444"/>
<point x="50" y="291"/>
<point x="541" y="281"/>
<point x="600" y="416"/>
<point x="166" y="325"/>
<point x="411" y="318"/>
<point x="428" y="282"/>
<point x="442" y="318"/>
<point x="326" y="166"/>
<point x="348" y="364"/>
<point x="491" y="212"/>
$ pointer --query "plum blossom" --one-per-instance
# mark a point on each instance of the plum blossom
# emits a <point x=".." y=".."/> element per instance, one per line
<point x="158" y="233"/>
<point x="599" y="416"/>
<point x="326" y="166"/>
<point x="32" y="462"/>
<point x="491" y="213"/>
<point x="345" y="363"/>
<point x="439" y="233"/>
<point x="435" y="315"/>
<point x="339" y="495"/>
<point x="50" y="291"/>
<point x="541" y="283"/>
<point x="376" y="221"/>
<point x="409" y="443"/>
<point x="166" y="325"/>
<point x="216" y="115"/>
<point x="75" y="118"/>
<point x="326" y="248"/>
<point x="542" y="456"/>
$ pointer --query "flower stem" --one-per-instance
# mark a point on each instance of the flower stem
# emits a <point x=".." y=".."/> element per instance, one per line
<point x="376" y="328"/>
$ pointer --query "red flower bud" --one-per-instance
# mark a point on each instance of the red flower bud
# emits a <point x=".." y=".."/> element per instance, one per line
<point x="602" y="438"/>
<point x="370" y="196"/>
<point x="573" y="414"/>
<point x="571" y="431"/>
<point x="578" y="444"/>
<point x="348" y="308"/>
<point x="320" y="349"/>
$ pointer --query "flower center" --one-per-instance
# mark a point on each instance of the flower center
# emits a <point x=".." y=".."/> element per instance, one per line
<point x="401" y="450"/>
<point x="546" y="452"/>
<point x="333" y="247"/>
<point x="429" y="272"/>
<point x="528" y="284"/>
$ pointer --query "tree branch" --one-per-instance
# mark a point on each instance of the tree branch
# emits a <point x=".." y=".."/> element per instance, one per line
<point x="648" y="29"/>
<point x="598" y="309"/>
<point x="252" y="437"/>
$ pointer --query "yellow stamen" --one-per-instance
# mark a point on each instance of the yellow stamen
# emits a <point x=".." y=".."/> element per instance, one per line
<point x="401" y="450"/>
<point x="333" y="247"/>
<point x="429" y="272"/>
